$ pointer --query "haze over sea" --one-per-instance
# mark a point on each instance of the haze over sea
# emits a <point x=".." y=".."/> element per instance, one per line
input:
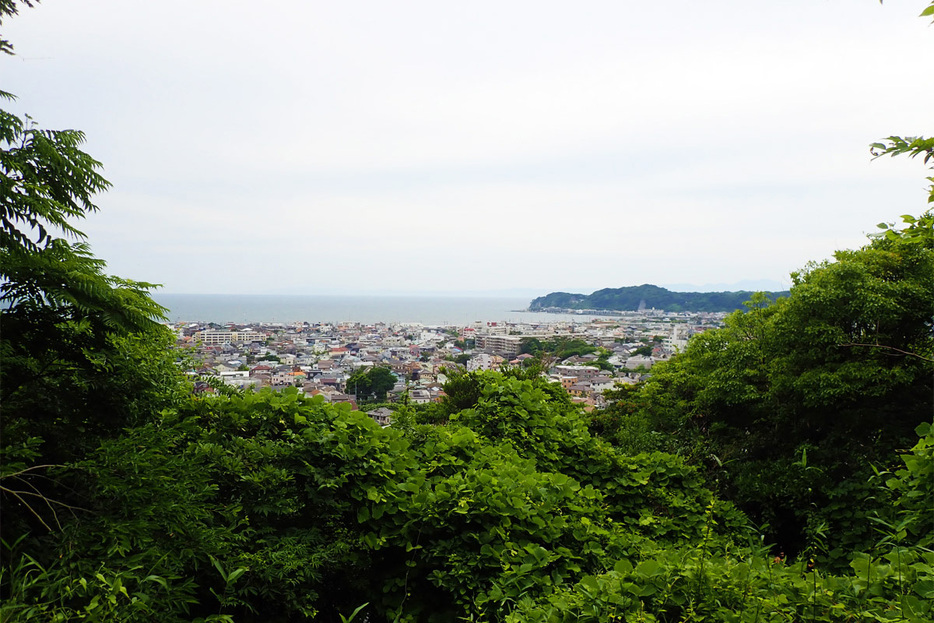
<point x="428" y="310"/>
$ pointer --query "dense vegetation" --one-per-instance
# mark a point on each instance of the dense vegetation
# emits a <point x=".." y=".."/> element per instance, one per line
<point x="647" y="296"/>
<point x="557" y="347"/>
<point x="820" y="387"/>
<point x="373" y="382"/>
<point x="804" y="423"/>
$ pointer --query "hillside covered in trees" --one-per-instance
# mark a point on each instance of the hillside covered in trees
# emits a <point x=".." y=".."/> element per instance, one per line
<point x="646" y="296"/>
<point x="780" y="469"/>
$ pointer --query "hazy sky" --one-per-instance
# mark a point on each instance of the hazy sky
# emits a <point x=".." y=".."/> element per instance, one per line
<point x="311" y="147"/>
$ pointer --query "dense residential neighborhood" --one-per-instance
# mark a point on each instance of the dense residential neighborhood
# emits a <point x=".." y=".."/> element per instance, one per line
<point x="320" y="358"/>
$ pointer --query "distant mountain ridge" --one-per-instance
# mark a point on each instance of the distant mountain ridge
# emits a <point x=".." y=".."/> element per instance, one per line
<point x="647" y="296"/>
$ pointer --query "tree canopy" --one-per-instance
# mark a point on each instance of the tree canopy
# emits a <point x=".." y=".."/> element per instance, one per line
<point x="633" y="298"/>
<point x="371" y="383"/>
<point x="818" y="385"/>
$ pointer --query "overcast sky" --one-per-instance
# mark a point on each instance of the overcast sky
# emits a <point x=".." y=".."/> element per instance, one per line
<point x="312" y="147"/>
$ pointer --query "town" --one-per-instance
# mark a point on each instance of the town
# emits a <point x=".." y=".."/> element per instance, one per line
<point x="320" y="358"/>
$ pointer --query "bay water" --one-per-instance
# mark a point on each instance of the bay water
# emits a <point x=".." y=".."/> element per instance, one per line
<point x="427" y="310"/>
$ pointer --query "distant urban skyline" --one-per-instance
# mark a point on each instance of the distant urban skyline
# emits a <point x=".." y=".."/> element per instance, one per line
<point x="418" y="147"/>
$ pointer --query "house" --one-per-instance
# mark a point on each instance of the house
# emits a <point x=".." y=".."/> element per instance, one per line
<point x="419" y="396"/>
<point x="282" y="377"/>
<point x="484" y="361"/>
<point x="581" y="372"/>
<point x="338" y="397"/>
<point x="244" y="382"/>
<point x="260" y="369"/>
<point x="639" y="361"/>
<point x="382" y="416"/>
<point x="579" y="389"/>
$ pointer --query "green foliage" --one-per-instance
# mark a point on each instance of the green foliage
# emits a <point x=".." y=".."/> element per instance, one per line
<point x="737" y="586"/>
<point x="47" y="594"/>
<point x="513" y="498"/>
<point x="839" y="372"/>
<point x="913" y="146"/>
<point x="371" y="383"/>
<point x="83" y="357"/>
<point x="482" y="528"/>
<point x="275" y="507"/>
<point x="244" y="505"/>
<point x="147" y="516"/>
<point x="623" y="421"/>
<point x="557" y="347"/>
<point x="602" y="360"/>
<point x="633" y="298"/>
<point x="917" y="229"/>
<point x="301" y="471"/>
<point x="911" y="514"/>
<point x="83" y="354"/>
<point x="530" y="346"/>
<point x="46" y="181"/>
<point x="716" y="580"/>
<point x="353" y="614"/>
<point x="644" y="351"/>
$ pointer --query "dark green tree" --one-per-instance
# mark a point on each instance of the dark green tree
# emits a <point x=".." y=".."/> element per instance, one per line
<point x="645" y="351"/>
<point x="381" y="381"/>
<point x="61" y="313"/>
<point x="358" y="384"/>
<point x="530" y="346"/>
<point x="83" y="353"/>
<point x="371" y="383"/>
<point x="815" y="387"/>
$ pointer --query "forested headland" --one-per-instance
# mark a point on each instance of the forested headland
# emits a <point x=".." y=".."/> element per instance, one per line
<point x="780" y="469"/>
<point x="647" y="296"/>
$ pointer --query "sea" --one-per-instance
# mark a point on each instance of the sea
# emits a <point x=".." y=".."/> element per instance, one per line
<point x="426" y="310"/>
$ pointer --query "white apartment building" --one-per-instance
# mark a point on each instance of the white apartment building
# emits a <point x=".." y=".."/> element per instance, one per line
<point x="213" y="337"/>
<point x="678" y="340"/>
<point x="505" y="345"/>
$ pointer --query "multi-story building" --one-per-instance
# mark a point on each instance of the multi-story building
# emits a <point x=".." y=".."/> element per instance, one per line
<point x="213" y="337"/>
<point x="580" y="372"/>
<point x="505" y="345"/>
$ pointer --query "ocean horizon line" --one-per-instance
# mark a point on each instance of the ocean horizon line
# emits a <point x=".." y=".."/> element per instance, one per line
<point x="426" y="294"/>
<point x="421" y="309"/>
<point x="530" y="293"/>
